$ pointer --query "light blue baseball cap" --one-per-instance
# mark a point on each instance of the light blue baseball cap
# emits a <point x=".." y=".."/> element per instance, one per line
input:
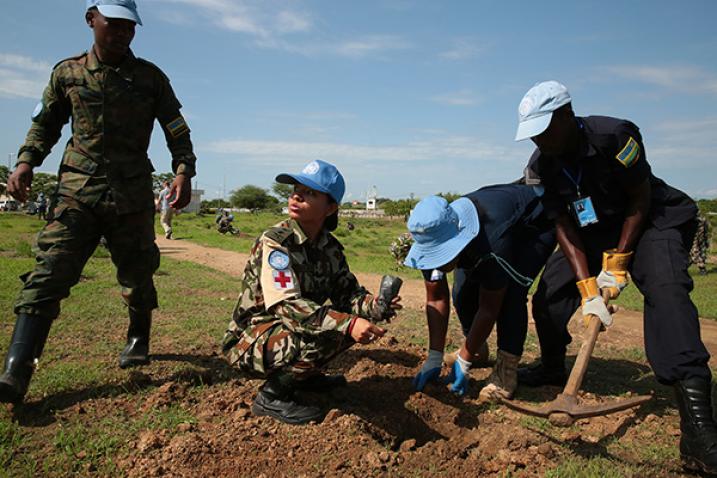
<point x="440" y="231"/>
<point x="125" y="9"/>
<point x="536" y="108"/>
<point x="318" y="175"/>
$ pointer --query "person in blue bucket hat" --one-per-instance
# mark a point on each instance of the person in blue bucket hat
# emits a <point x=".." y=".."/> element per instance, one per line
<point x="495" y="240"/>
<point x="299" y="304"/>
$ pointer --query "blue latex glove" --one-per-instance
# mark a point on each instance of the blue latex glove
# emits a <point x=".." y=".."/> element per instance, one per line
<point x="422" y="378"/>
<point x="458" y="379"/>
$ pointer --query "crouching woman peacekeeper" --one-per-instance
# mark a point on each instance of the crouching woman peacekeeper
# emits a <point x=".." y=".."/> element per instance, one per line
<point x="281" y="328"/>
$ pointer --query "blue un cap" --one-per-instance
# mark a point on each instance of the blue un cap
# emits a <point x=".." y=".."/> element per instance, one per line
<point x="318" y="175"/>
<point x="536" y="108"/>
<point x="125" y="9"/>
<point x="440" y="231"/>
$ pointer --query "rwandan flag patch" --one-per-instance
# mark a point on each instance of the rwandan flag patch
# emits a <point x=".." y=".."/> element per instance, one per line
<point x="177" y="127"/>
<point x="629" y="154"/>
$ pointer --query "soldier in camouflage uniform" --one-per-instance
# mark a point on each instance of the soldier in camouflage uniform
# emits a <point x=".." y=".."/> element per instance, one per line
<point x="282" y="327"/>
<point x="701" y="245"/>
<point x="104" y="184"/>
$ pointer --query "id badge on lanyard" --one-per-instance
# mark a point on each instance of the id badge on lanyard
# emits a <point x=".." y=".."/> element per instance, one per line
<point x="583" y="208"/>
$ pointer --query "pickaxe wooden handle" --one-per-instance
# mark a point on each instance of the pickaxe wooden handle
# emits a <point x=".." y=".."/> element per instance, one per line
<point x="565" y="409"/>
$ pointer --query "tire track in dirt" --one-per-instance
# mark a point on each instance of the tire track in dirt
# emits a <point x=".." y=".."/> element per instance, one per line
<point x="626" y="331"/>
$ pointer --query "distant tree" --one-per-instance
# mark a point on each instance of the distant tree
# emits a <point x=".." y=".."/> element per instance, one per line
<point x="253" y="198"/>
<point x="282" y="191"/>
<point x="4" y="173"/>
<point x="159" y="178"/>
<point x="400" y="207"/>
<point x="43" y="183"/>
<point x="449" y="196"/>
<point x="214" y="204"/>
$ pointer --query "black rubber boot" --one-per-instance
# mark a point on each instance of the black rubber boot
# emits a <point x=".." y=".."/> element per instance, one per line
<point x="136" y="352"/>
<point x="550" y="371"/>
<point x="321" y="383"/>
<point x="26" y="345"/>
<point x="276" y="399"/>
<point x="698" y="442"/>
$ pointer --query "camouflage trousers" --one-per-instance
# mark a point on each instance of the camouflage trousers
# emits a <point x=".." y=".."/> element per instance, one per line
<point x="700" y="244"/>
<point x="268" y="347"/>
<point x="68" y="240"/>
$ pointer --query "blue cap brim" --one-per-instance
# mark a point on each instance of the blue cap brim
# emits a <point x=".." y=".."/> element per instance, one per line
<point x="301" y="179"/>
<point x="426" y="258"/>
<point x="117" y="11"/>
<point x="533" y="127"/>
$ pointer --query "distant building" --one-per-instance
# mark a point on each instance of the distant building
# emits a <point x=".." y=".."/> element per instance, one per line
<point x="371" y="198"/>
<point x="195" y="202"/>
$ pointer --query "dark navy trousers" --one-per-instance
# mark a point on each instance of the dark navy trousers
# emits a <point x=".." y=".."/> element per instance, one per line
<point x="673" y="344"/>
<point x="512" y="322"/>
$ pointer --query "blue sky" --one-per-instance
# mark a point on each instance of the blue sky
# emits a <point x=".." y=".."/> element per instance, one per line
<point x="410" y="96"/>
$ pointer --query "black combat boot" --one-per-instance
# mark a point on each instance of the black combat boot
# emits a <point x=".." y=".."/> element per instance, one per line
<point x="698" y="442"/>
<point x="136" y="352"/>
<point x="28" y="340"/>
<point x="276" y="399"/>
<point x="550" y="371"/>
<point x="321" y="383"/>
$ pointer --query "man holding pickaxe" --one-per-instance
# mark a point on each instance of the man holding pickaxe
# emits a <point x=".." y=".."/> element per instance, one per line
<point x="613" y="216"/>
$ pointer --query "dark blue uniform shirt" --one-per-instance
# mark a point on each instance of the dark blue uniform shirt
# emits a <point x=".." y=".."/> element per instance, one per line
<point x="509" y="214"/>
<point x="611" y="161"/>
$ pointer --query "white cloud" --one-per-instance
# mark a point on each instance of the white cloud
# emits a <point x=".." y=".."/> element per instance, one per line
<point x="684" y="78"/>
<point x="290" y="22"/>
<point x="22" y="76"/>
<point x="462" y="49"/>
<point x="456" y="147"/>
<point x="464" y="97"/>
<point x="272" y="26"/>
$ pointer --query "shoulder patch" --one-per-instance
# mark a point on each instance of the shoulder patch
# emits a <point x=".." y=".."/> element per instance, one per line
<point x="177" y="127"/>
<point x="630" y="153"/>
<point x="279" y="260"/>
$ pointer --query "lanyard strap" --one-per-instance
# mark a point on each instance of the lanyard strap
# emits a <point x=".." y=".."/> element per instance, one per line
<point x="519" y="278"/>
<point x="576" y="182"/>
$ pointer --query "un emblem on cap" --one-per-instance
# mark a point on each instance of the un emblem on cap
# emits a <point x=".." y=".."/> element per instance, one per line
<point x="311" y="168"/>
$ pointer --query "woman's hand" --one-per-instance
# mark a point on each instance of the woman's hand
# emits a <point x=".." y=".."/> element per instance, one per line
<point x="364" y="332"/>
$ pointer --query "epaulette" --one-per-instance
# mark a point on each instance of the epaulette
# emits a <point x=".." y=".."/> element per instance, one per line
<point x="335" y="242"/>
<point x="152" y="66"/>
<point x="279" y="234"/>
<point x="76" y="57"/>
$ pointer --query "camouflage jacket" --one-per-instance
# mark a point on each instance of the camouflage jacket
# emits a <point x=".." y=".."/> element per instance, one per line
<point x="113" y="111"/>
<point x="289" y="279"/>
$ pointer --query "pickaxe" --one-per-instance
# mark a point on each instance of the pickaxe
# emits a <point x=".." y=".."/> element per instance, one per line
<point x="566" y="408"/>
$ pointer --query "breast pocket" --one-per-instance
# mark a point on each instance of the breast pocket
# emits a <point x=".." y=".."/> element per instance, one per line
<point x="86" y="107"/>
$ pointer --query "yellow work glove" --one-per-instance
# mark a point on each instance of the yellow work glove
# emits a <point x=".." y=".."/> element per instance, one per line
<point x="592" y="302"/>
<point x="613" y="276"/>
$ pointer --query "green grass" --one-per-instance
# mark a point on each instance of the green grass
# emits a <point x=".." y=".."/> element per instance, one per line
<point x="79" y="363"/>
<point x="366" y="247"/>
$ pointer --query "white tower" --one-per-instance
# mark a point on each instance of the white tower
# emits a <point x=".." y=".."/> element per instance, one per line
<point x="371" y="196"/>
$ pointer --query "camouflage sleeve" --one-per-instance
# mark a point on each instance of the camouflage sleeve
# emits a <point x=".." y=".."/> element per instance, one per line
<point x="349" y="296"/>
<point x="282" y="296"/>
<point x="50" y="115"/>
<point x="176" y="130"/>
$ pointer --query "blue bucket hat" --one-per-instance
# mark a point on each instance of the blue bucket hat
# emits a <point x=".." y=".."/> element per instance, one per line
<point x="125" y="9"/>
<point x="440" y="231"/>
<point x="318" y="175"/>
<point x="536" y="108"/>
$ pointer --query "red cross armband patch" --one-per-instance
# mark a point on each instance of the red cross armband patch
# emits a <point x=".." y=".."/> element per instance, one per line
<point x="278" y="281"/>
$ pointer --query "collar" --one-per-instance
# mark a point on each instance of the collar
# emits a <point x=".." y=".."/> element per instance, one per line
<point x="125" y="69"/>
<point x="301" y="236"/>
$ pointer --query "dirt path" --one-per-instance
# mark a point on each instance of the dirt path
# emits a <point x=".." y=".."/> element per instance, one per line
<point x="627" y="331"/>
